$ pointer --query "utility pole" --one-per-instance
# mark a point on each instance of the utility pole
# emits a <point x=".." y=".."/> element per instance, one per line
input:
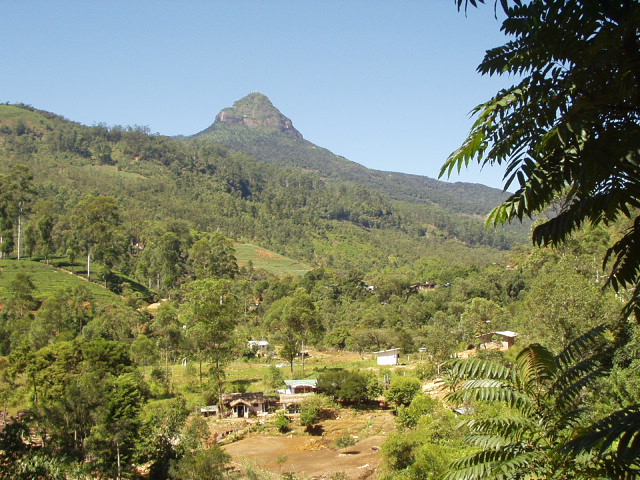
<point x="19" y="228"/>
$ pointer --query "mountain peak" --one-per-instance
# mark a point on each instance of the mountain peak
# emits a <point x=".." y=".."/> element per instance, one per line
<point x="256" y="111"/>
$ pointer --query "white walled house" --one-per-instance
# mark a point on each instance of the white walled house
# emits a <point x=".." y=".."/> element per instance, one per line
<point x="259" y="347"/>
<point x="505" y="339"/>
<point x="388" y="357"/>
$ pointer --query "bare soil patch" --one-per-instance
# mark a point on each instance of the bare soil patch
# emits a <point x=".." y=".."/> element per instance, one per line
<point x="261" y="252"/>
<point x="317" y="457"/>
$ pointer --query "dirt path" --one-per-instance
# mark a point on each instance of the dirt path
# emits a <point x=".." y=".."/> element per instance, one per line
<point x="317" y="457"/>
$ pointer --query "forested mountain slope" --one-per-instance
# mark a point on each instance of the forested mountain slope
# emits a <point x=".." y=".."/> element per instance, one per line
<point x="202" y="185"/>
<point x="254" y="126"/>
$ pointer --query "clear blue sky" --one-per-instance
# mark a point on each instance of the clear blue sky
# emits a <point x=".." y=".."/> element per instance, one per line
<point x="387" y="84"/>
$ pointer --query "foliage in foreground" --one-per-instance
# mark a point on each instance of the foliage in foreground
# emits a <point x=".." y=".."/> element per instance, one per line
<point x="546" y="394"/>
<point x="569" y="131"/>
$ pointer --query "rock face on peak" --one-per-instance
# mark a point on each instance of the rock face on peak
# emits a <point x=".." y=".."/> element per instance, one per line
<point x="255" y="111"/>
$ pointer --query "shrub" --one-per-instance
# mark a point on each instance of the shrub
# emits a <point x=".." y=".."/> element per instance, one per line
<point x="323" y="405"/>
<point x="409" y="416"/>
<point x="309" y="417"/>
<point x="339" y="476"/>
<point x="402" y="390"/>
<point x="345" y="441"/>
<point x="281" y="422"/>
<point x="201" y="465"/>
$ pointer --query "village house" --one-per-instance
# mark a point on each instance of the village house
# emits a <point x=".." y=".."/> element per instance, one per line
<point x="295" y="392"/>
<point x="300" y="386"/>
<point x="505" y="339"/>
<point x="422" y="287"/>
<point x="388" y="357"/>
<point x="259" y="347"/>
<point x="242" y="405"/>
<point x="425" y="287"/>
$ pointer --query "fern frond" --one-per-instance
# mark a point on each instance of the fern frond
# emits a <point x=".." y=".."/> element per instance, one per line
<point x="568" y="398"/>
<point x="501" y="463"/>
<point x="479" y="368"/>
<point x="536" y="368"/>
<point x="500" y="431"/>
<point x="492" y="391"/>
<point x="580" y="346"/>
<point x="488" y="442"/>
<point x="618" y="433"/>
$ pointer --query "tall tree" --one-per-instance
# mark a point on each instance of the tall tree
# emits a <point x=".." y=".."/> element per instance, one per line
<point x="62" y="316"/>
<point x="95" y="227"/>
<point x="161" y="261"/>
<point x="45" y="219"/>
<point x="168" y="330"/>
<point x="210" y="313"/>
<point x="16" y="192"/>
<point x="568" y="132"/>
<point x="213" y="256"/>
<point x="294" y="323"/>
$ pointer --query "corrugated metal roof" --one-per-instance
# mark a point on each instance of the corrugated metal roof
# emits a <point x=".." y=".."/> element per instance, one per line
<point x="390" y="351"/>
<point x="298" y="383"/>
<point x="507" y="333"/>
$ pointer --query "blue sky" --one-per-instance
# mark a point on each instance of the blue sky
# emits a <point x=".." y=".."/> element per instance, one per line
<point x="387" y="84"/>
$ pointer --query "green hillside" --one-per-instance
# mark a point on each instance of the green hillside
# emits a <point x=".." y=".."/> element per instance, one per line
<point x="48" y="279"/>
<point x="268" y="261"/>
<point x="240" y="249"/>
<point x="295" y="212"/>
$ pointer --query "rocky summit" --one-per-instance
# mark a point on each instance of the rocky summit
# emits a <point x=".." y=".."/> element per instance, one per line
<point x="256" y="111"/>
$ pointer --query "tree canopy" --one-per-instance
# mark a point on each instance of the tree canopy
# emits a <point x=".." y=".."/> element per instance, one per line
<point x="568" y="131"/>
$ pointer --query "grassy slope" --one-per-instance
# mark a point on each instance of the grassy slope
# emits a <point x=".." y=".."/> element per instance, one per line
<point x="268" y="260"/>
<point x="48" y="279"/>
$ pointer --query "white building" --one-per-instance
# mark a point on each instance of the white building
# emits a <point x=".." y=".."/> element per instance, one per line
<point x="505" y="339"/>
<point x="260" y="347"/>
<point x="388" y="357"/>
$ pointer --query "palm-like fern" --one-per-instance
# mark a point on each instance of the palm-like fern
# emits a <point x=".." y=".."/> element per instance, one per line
<point x="547" y="393"/>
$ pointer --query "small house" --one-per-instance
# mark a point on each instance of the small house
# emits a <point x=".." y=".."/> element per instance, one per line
<point x="300" y="386"/>
<point x="422" y="287"/>
<point x="506" y="339"/>
<point x="242" y="405"/>
<point x="388" y="357"/>
<point x="295" y="392"/>
<point x="259" y="347"/>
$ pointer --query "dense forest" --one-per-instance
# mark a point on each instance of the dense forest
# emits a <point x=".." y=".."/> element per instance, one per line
<point x="254" y="126"/>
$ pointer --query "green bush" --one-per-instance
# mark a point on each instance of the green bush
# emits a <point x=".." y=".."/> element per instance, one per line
<point x="323" y="404"/>
<point x="339" y="476"/>
<point x="201" y="465"/>
<point x="282" y="422"/>
<point x="309" y="417"/>
<point x="345" y="441"/>
<point x="408" y="416"/>
<point x="402" y="390"/>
